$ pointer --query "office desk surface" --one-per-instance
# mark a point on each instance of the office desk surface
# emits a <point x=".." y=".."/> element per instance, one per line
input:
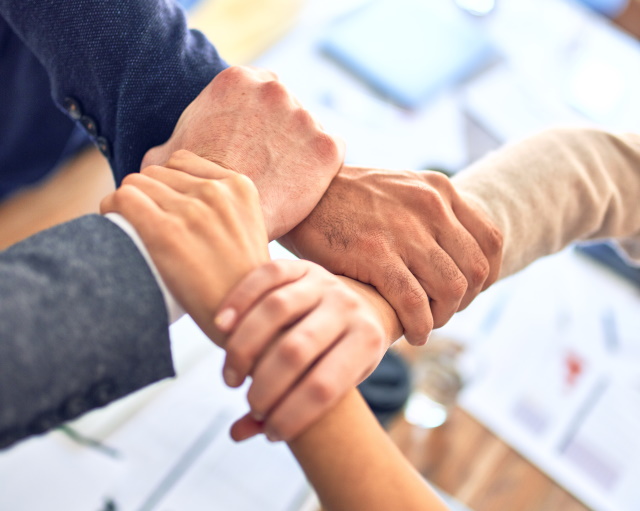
<point x="462" y="457"/>
<point x="469" y="462"/>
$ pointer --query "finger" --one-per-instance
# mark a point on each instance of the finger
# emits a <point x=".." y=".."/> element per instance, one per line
<point x="338" y="372"/>
<point x="292" y="355"/>
<point x="138" y="208"/>
<point x="259" y="282"/>
<point x="246" y="427"/>
<point x="263" y="323"/>
<point x="485" y="233"/>
<point x="164" y="196"/>
<point x="467" y="255"/>
<point x="443" y="282"/>
<point x="186" y="161"/>
<point x="406" y="295"/>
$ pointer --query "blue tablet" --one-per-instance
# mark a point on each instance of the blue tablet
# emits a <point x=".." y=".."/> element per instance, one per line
<point x="408" y="49"/>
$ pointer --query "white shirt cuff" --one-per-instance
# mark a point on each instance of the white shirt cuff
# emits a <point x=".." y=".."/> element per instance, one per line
<point x="174" y="309"/>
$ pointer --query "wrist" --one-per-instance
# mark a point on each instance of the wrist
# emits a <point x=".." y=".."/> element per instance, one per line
<point x="174" y="309"/>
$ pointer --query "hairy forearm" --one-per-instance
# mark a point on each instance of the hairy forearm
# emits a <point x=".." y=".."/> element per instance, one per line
<point x="353" y="464"/>
<point x="557" y="187"/>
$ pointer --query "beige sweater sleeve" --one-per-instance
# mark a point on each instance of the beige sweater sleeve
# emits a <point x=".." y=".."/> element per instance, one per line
<point x="557" y="187"/>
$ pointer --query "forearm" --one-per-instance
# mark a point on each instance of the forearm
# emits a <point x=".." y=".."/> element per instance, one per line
<point x="353" y="464"/>
<point x="555" y="188"/>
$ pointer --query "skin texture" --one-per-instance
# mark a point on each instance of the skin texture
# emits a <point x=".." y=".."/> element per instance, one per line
<point x="304" y="336"/>
<point x="247" y="121"/>
<point x="204" y="231"/>
<point x="203" y="227"/>
<point x="353" y="464"/>
<point x="180" y="217"/>
<point x="408" y="234"/>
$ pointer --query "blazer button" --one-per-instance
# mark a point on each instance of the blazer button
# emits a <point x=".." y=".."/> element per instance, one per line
<point x="43" y="423"/>
<point x="104" y="146"/>
<point x="104" y="393"/>
<point x="74" y="407"/>
<point x="73" y="108"/>
<point x="89" y="125"/>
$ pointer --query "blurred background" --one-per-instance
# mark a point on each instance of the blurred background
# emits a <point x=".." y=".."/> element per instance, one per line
<point x="529" y="400"/>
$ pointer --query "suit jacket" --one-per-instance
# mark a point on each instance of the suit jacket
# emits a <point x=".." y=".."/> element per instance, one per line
<point x="123" y="71"/>
<point x="82" y="322"/>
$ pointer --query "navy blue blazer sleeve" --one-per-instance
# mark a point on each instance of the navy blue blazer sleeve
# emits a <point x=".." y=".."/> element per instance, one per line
<point x="124" y="69"/>
<point x="82" y="323"/>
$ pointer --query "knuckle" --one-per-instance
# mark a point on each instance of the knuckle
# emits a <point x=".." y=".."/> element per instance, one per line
<point x="209" y="191"/>
<point x="232" y="72"/>
<point x="374" y="336"/>
<point x="347" y="300"/>
<point x="152" y="170"/>
<point x="303" y="117"/>
<point x="294" y="351"/>
<point x="129" y="180"/>
<point x="276" y="270"/>
<point x="244" y="186"/>
<point x="439" y="180"/>
<point x="435" y="203"/>
<point x="495" y="240"/>
<point x="479" y="272"/>
<point x="325" y="146"/>
<point x="122" y="194"/>
<point x="415" y="298"/>
<point x="274" y="91"/>
<point x="458" y="286"/>
<point x="277" y="304"/>
<point x="321" y="390"/>
<point x="193" y="214"/>
<point x="181" y="155"/>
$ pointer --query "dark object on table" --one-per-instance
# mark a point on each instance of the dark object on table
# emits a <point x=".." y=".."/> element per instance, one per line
<point x="387" y="389"/>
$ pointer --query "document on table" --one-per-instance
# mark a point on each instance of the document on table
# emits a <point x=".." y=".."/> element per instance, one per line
<point x="173" y="453"/>
<point x="558" y="377"/>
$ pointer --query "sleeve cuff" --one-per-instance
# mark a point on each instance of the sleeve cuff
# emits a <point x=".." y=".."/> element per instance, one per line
<point x="174" y="309"/>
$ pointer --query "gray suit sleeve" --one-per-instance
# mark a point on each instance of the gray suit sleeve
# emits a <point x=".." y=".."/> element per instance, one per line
<point x="82" y="323"/>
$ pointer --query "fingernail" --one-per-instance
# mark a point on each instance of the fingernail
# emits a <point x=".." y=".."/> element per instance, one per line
<point x="259" y="417"/>
<point x="272" y="436"/>
<point x="231" y="377"/>
<point x="225" y="319"/>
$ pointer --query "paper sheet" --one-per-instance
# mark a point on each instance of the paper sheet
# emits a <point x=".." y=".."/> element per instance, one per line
<point x="558" y="377"/>
<point x="171" y="452"/>
<point x="179" y="454"/>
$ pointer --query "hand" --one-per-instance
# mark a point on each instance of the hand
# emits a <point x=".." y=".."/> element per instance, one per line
<point x="408" y="234"/>
<point x="246" y="120"/>
<point x="203" y="228"/>
<point x="304" y="336"/>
